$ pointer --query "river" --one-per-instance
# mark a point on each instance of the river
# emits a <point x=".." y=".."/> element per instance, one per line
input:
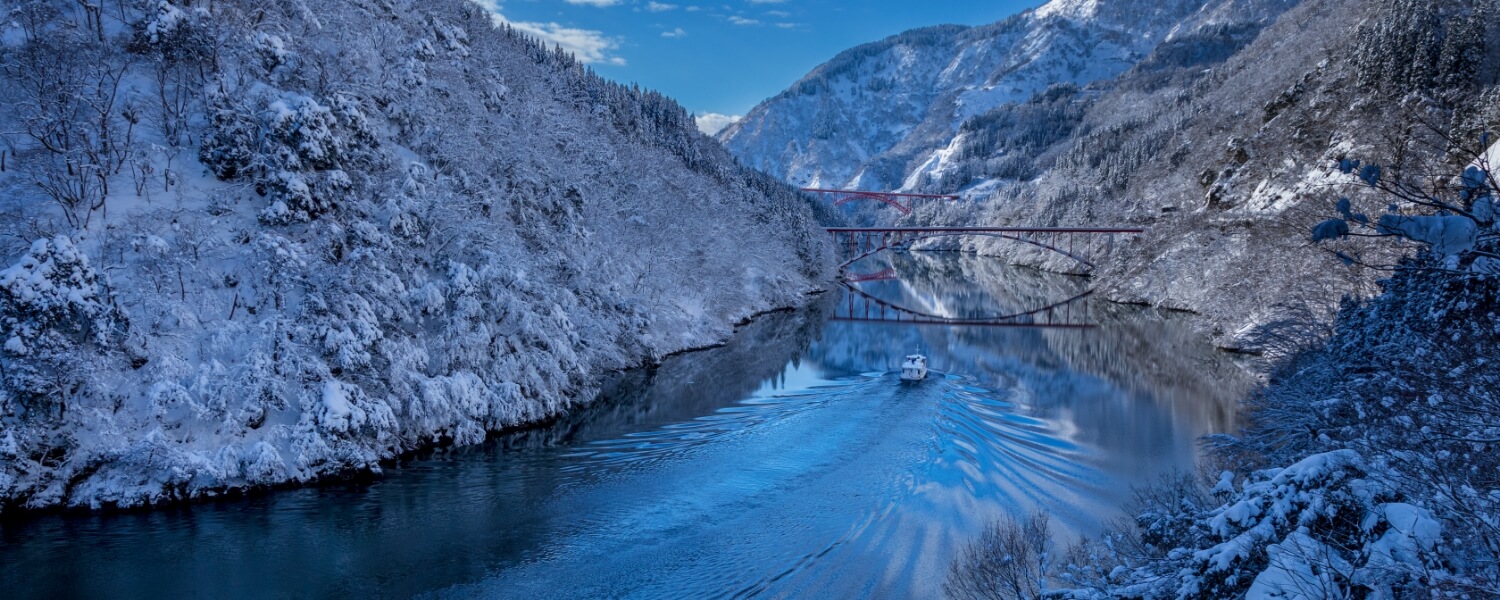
<point x="789" y="463"/>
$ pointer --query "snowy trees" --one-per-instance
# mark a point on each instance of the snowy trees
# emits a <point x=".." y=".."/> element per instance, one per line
<point x="293" y="148"/>
<point x="1326" y="526"/>
<point x="182" y="47"/>
<point x="1008" y="141"/>
<point x="1407" y="382"/>
<point x="1406" y="379"/>
<point x="374" y="227"/>
<point x="1331" y="525"/>
<point x="1416" y="46"/>
<point x="53" y="308"/>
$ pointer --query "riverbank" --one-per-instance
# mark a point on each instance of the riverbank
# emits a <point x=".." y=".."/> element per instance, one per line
<point x="580" y="398"/>
<point x="1365" y="466"/>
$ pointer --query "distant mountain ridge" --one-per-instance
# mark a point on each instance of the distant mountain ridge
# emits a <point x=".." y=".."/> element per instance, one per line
<point x="876" y="113"/>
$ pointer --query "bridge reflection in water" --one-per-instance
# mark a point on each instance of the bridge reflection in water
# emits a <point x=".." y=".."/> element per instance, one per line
<point x="863" y="244"/>
<point x="1083" y="245"/>
<point x="860" y="306"/>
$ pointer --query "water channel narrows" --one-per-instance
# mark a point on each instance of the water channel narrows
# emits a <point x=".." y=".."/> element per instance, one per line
<point x="791" y="462"/>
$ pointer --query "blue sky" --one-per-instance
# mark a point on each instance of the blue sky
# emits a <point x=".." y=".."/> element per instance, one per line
<point x="724" y="57"/>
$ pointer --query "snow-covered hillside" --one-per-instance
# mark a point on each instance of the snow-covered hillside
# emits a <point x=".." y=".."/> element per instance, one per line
<point x="256" y="242"/>
<point x="1221" y="136"/>
<point x="1384" y="425"/>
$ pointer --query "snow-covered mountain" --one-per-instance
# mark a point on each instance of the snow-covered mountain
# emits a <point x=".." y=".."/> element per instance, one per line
<point x="879" y="113"/>
<point x="1218" y="125"/>
<point x="260" y="241"/>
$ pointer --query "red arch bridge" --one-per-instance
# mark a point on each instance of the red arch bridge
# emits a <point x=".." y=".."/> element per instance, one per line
<point x="1081" y="244"/>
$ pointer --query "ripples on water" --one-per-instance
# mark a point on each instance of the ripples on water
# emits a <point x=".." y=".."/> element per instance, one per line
<point x="791" y="463"/>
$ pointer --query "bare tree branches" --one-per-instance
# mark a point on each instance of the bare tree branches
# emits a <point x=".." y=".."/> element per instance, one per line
<point x="67" y="96"/>
<point x="1009" y="561"/>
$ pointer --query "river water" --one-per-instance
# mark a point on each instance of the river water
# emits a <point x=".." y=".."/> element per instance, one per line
<point x="789" y="463"/>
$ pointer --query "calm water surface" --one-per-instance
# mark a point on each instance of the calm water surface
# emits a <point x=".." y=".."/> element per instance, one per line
<point x="790" y="463"/>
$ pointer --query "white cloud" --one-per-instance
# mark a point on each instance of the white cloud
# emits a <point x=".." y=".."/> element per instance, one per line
<point x="590" y="46"/>
<point x="767" y="1"/>
<point x="787" y="25"/>
<point x="594" y="2"/>
<point x="675" y="33"/>
<point x="738" y="20"/>
<point x="660" y="6"/>
<point x="778" y="13"/>
<point x="713" y="123"/>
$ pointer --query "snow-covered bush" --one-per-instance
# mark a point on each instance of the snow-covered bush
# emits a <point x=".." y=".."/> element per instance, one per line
<point x="174" y="32"/>
<point x="181" y="45"/>
<point x="52" y="306"/>
<point x="292" y="147"/>
<point x="1329" y="526"/>
<point x="1408" y="381"/>
<point x="272" y="52"/>
<point x="1320" y="528"/>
